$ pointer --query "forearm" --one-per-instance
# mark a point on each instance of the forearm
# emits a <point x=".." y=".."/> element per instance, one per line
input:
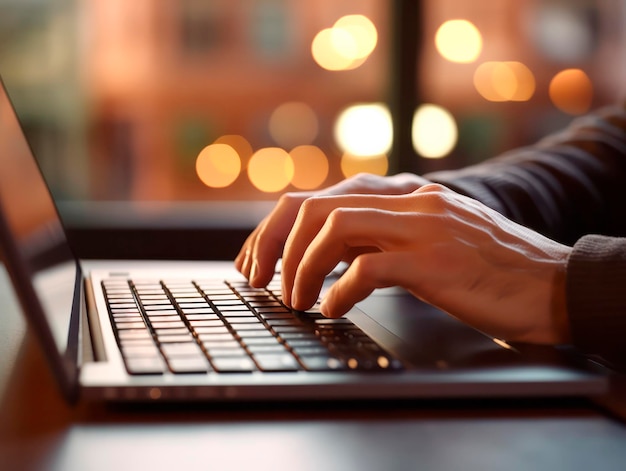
<point x="566" y="186"/>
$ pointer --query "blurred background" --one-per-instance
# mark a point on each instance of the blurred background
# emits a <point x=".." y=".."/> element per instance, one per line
<point x="191" y="117"/>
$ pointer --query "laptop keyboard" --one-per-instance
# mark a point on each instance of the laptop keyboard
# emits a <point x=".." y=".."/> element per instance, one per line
<point x="230" y="327"/>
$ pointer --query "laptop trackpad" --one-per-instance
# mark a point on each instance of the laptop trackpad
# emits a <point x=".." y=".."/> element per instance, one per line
<point x="431" y="338"/>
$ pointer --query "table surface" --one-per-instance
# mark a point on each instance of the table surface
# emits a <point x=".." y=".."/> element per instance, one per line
<point x="39" y="431"/>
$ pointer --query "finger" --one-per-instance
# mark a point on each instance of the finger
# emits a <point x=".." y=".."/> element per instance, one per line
<point x="310" y="219"/>
<point x="346" y="230"/>
<point x="266" y="244"/>
<point x="242" y="260"/>
<point x="367" y="273"/>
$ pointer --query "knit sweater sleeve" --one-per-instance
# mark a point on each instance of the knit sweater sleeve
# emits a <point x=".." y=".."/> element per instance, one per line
<point x="596" y="298"/>
<point x="569" y="187"/>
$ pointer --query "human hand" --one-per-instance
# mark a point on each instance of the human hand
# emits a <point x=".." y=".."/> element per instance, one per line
<point x="262" y="249"/>
<point x="446" y="249"/>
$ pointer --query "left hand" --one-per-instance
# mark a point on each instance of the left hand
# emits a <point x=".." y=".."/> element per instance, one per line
<point x="445" y="248"/>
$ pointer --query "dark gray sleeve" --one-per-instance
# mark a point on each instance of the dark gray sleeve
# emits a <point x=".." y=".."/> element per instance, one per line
<point x="566" y="186"/>
<point x="596" y="297"/>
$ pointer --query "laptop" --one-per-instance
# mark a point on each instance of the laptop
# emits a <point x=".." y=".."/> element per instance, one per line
<point x="195" y="331"/>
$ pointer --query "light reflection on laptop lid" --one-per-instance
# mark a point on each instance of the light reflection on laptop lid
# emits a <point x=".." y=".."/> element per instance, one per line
<point x="38" y="258"/>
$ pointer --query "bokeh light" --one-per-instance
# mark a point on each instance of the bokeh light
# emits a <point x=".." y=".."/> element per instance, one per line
<point x="434" y="131"/>
<point x="353" y="164"/>
<point x="571" y="91"/>
<point x="333" y="49"/>
<point x="364" y="130"/>
<point x="504" y="81"/>
<point x="239" y="143"/>
<point x="459" y="41"/>
<point x="218" y="165"/>
<point x="292" y="124"/>
<point x="270" y="169"/>
<point x="362" y="30"/>
<point x="310" y="167"/>
<point x="346" y="45"/>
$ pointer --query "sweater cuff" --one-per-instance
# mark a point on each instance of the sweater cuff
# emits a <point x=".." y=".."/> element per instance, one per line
<point x="596" y="297"/>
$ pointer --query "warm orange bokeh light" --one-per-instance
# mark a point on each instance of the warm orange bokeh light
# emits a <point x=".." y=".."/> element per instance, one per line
<point x="270" y="169"/>
<point x="311" y="167"/>
<point x="218" y="165"/>
<point x="504" y="81"/>
<point x="239" y="143"/>
<point x="351" y="165"/>
<point x="571" y="91"/>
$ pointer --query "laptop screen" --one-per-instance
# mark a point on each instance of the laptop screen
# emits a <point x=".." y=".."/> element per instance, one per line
<point x="34" y="245"/>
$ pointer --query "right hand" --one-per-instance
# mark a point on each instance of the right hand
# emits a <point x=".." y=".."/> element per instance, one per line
<point x="264" y="247"/>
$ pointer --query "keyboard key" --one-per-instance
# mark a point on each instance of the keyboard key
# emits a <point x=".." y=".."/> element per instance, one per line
<point x="130" y="325"/>
<point x="322" y="363"/>
<point x="244" y="326"/>
<point x="168" y="325"/>
<point x="202" y="317"/>
<point x="271" y="340"/>
<point x="134" y="334"/>
<point x="227" y="352"/>
<point x="180" y="331"/>
<point x="275" y="348"/>
<point x="310" y="351"/>
<point x="144" y="366"/>
<point x="249" y="334"/>
<point x="136" y="351"/>
<point x="207" y="323"/>
<point x="216" y="337"/>
<point x="233" y="364"/>
<point x="181" y="349"/>
<point x="208" y="345"/>
<point x="198" y="310"/>
<point x="276" y="362"/>
<point x="182" y="365"/>
<point x="180" y="338"/>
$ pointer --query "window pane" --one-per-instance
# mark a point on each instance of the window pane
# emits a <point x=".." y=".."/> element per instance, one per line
<point x="188" y="100"/>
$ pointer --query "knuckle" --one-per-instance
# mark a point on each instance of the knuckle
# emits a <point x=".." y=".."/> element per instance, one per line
<point x="336" y="219"/>
<point x="363" y="267"/>
<point x="290" y="199"/>
<point x="432" y="198"/>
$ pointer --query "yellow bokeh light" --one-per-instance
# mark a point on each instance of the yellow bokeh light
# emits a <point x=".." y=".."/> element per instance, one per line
<point x="311" y="167"/>
<point x="362" y="30"/>
<point x="434" y="131"/>
<point x="292" y="124"/>
<point x="459" y="41"/>
<point x="353" y="164"/>
<point x="571" y="91"/>
<point x="218" y="165"/>
<point x="364" y="130"/>
<point x="270" y="169"/>
<point x="328" y="51"/>
<point x="504" y="81"/>
<point x="346" y="45"/>
<point x="239" y="143"/>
